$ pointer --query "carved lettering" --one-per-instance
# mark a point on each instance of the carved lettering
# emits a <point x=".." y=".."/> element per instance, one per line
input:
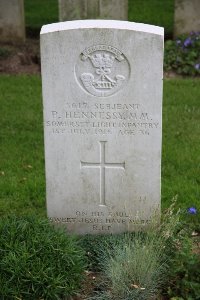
<point x="85" y="118"/>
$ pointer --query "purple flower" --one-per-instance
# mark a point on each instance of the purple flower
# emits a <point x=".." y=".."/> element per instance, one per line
<point x="197" y="66"/>
<point x="192" y="210"/>
<point x="187" y="42"/>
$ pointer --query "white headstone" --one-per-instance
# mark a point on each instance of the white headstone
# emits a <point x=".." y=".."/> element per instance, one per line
<point x="102" y="93"/>
<point x="93" y="9"/>
<point x="12" y="27"/>
<point x="186" y="16"/>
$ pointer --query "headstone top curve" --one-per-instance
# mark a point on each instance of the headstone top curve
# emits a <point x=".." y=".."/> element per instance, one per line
<point x="111" y="24"/>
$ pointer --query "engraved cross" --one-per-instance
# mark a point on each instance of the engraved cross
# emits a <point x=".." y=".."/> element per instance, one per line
<point x="102" y="166"/>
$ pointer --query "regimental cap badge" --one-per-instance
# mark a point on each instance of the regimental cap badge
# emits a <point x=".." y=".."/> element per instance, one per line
<point x="103" y="62"/>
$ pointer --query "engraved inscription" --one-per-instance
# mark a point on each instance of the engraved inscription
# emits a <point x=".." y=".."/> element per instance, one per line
<point x="92" y="118"/>
<point x="105" y="219"/>
<point x="102" y="70"/>
<point x="104" y="222"/>
<point x="102" y="165"/>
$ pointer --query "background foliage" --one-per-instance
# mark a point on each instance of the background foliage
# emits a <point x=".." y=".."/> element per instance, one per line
<point x="183" y="54"/>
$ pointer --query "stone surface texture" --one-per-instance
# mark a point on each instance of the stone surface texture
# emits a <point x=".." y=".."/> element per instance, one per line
<point x="187" y="16"/>
<point x="102" y="95"/>
<point x="93" y="9"/>
<point x="12" y="27"/>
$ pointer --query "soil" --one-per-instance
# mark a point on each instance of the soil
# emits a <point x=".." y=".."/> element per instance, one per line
<point x="20" y="59"/>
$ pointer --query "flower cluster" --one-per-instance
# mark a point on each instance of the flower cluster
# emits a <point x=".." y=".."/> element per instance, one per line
<point x="183" y="54"/>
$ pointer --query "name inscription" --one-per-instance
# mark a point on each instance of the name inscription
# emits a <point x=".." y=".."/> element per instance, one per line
<point x="101" y="118"/>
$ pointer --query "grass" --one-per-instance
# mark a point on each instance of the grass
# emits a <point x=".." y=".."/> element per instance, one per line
<point x="37" y="261"/>
<point x="155" y="12"/>
<point x="39" y="13"/>
<point x="181" y="140"/>
<point x="22" y="180"/>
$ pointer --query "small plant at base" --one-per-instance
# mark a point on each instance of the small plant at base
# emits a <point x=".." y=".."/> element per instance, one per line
<point x="38" y="261"/>
<point x="138" y="266"/>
